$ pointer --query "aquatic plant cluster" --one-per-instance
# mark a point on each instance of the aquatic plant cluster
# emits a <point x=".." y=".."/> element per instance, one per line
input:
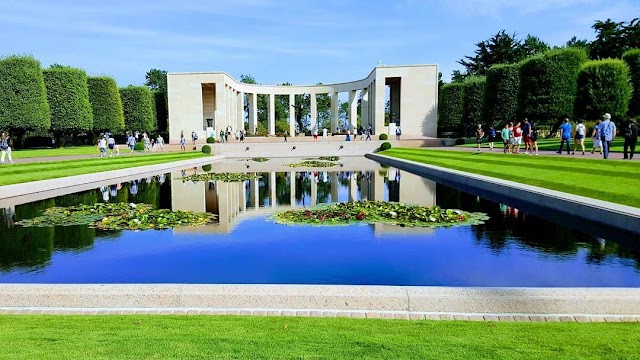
<point x="118" y="216"/>
<point x="314" y="164"/>
<point x="224" y="177"/>
<point x="380" y="212"/>
<point x="259" y="159"/>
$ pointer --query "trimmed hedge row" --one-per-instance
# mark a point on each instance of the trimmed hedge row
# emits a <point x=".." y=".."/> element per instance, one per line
<point x="451" y="105"/>
<point x="501" y="93"/>
<point x="632" y="58"/>
<point x="473" y="99"/>
<point x="138" y="108"/>
<point x="603" y="86"/>
<point x="106" y="104"/>
<point x="23" y="97"/>
<point x="68" y="98"/>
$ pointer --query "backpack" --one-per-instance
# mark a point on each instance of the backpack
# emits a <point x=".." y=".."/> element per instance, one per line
<point x="398" y="131"/>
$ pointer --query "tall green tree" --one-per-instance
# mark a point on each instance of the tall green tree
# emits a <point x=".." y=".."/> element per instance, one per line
<point x="532" y="45"/>
<point x="501" y="96"/>
<point x="603" y="86"/>
<point x="501" y="48"/>
<point x="474" y="87"/>
<point x="137" y="105"/>
<point x="68" y="98"/>
<point x="451" y="105"/>
<point x="156" y="81"/>
<point x="632" y="58"/>
<point x="581" y="44"/>
<point x="106" y="104"/>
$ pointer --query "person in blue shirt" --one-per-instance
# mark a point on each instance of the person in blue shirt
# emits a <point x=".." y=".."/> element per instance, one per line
<point x="565" y="136"/>
<point x="607" y="133"/>
<point x="492" y="136"/>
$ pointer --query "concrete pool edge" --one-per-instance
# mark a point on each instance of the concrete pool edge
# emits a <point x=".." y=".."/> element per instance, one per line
<point x="405" y="302"/>
<point x="621" y="217"/>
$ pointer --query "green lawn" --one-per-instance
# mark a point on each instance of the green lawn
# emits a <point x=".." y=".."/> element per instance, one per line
<point x="69" y="151"/>
<point x="229" y="337"/>
<point x="611" y="180"/>
<point x="551" y="144"/>
<point x="20" y="173"/>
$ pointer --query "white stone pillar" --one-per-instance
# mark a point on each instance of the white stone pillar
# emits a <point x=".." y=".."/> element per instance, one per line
<point x="243" y="196"/>
<point x="220" y="110"/>
<point x="292" y="115"/>
<point x="353" y="186"/>
<point x="334" y="112"/>
<point x="364" y="107"/>
<point x="240" y="106"/>
<point x="272" y="189"/>
<point x="272" y="114"/>
<point x="378" y="106"/>
<point x="353" y="108"/>
<point x="292" y="187"/>
<point x="334" y="187"/>
<point x="314" y="190"/>
<point x="314" y="113"/>
<point x="254" y="192"/>
<point x="253" y="113"/>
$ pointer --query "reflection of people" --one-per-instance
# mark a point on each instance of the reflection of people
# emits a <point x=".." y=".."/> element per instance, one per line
<point x="162" y="178"/>
<point x="105" y="193"/>
<point x="113" y="190"/>
<point x="133" y="188"/>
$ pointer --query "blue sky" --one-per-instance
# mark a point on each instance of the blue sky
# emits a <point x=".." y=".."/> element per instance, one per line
<point x="302" y="41"/>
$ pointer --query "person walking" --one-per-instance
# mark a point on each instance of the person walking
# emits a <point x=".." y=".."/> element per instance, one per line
<point x="492" y="137"/>
<point x="517" y="138"/>
<point x="5" y="147"/>
<point x="242" y="136"/>
<point x="286" y="133"/>
<point x="534" y="138"/>
<point x="596" y="135"/>
<point x="131" y="141"/>
<point x="147" y="142"/>
<point x="183" y="142"/>
<point x="578" y="138"/>
<point x="630" y="139"/>
<point x="111" y="143"/>
<point x="315" y="134"/>
<point x="222" y="137"/>
<point x="526" y="133"/>
<point x="102" y="146"/>
<point x="160" y="143"/>
<point x="479" y="136"/>
<point x="565" y="135"/>
<point x="368" y="134"/>
<point x="194" y="137"/>
<point x="505" y="133"/>
<point x="348" y="137"/>
<point x="324" y="134"/>
<point x="398" y="133"/>
<point x="608" y="133"/>
<point x="361" y="132"/>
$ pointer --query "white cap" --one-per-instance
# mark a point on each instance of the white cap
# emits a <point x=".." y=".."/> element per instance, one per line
<point x="606" y="116"/>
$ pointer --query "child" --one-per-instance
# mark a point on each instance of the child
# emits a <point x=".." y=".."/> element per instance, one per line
<point x="117" y="149"/>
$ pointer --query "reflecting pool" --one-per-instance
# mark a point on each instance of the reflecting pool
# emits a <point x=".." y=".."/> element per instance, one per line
<point x="513" y="248"/>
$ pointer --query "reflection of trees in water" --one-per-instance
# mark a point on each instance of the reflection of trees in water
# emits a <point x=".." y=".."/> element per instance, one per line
<point x="283" y="190"/>
<point x="509" y="225"/>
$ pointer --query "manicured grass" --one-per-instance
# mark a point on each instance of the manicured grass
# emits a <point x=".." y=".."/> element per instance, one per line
<point x="69" y="151"/>
<point x="20" y="173"/>
<point x="228" y="337"/>
<point x="611" y="180"/>
<point x="550" y="144"/>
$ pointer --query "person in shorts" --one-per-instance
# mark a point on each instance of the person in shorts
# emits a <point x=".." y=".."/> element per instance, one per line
<point x="102" y="146"/>
<point x="526" y="136"/>
<point x="111" y="143"/>
<point x="578" y="137"/>
<point x="596" y="134"/>
<point x="160" y="143"/>
<point x="517" y="138"/>
<point x="315" y="134"/>
<point x="132" y="144"/>
<point x="505" y="133"/>
<point x="5" y="147"/>
<point x="492" y="137"/>
<point x="183" y="142"/>
<point x="479" y="136"/>
<point x="534" y="138"/>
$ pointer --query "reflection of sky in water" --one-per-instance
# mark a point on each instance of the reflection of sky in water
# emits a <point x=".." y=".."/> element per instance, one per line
<point x="511" y="249"/>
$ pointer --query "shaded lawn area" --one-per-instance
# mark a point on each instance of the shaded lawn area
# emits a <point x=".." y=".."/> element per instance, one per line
<point x="68" y="151"/>
<point x="549" y="144"/>
<point x="611" y="180"/>
<point x="20" y="173"/>
<point x="90" y="337"/>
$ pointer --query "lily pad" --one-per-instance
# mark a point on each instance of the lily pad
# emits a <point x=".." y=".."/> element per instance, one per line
<point x="259" y="159"/>
<point x="224" y="177"/>
<point x="379" y="212"/>
<point x="314" y="164"/>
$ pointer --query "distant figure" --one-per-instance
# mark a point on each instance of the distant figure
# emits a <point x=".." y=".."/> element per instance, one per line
<point x="111" y="142"/>
<point x="5" y="147"/>
<point x="160" y="143"/>
<point x="534" y="138"/>
<point x="526" y="133"/>
<point x="578" y="138"/>
<point x="285" y="135"/>
<point x="147" y="142"/>
<point x="102" y="146"/>
<point x="505" y="133"/>
<point x="131" y="141"/>
<point x="517" y="138"/>
<point x="324" y="134"/>
<point x="133" y="188"/>
<point x="348" y="137"/>
<point x="608" y="134"/>
<point x="183" y="142"/>
<point x="565" y="136"/>
<point x="222" y="136"/>
<point x="361" y="130"/>
<point x="228" y="133"/>
<point x="596" y="136"/>
<point x="242" y="136"/>
<point x="398" y="133"/>
<point x="479" y="136"/>
<point x="117" y="149"/>
<point x="137" y="135"/>
<point x="492" y="137"/>
<point x="194" y="137"/>
<point x="315" y="134"/>
<point x="630" y="139"/>
<point x="368" y="133"/>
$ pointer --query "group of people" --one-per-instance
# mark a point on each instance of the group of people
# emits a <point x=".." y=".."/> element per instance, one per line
<point x="365" y="134"/>
<point x="513" y="136"/>
<point x="106" y="141"/>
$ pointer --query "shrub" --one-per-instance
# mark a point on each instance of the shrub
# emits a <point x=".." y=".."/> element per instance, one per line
<point x="548" y="84"/>
<point x="473" y="99"/>
<point x="137" y="105"/>
<point x="460" y="141"/>
<point x="211" y="140"/>
<point x="106" y="104"/>
<point x="206" y="149"/>
<point x="206" y="168"/>
<point x="68" y="97"/>
<point x="501" y="94"/>
<point x="632" y="58"/>
<point x="23" y="98"/>
<point x="603" y="86"/>
<point x="451" y="105"/>
<point x="383" y="137"/>
<point x="385" y="146"/>
<point x="139" y="146"/>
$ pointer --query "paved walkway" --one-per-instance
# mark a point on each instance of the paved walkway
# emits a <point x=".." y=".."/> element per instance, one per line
<point x="578" y="155"/>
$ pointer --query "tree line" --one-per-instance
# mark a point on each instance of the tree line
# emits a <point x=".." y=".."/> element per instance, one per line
<point x="507" y="79"/>
<point x="66" y="105"/>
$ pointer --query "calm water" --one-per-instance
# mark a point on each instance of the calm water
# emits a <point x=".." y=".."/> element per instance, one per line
<point x="514" y="248"/>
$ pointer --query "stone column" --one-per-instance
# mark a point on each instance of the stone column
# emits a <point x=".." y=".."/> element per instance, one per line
<point x="253" y="113"/>
<point x="272" y="189"/>
<point x="353" y="186"/>
<point x="314" y="113"/>
<point x="243" y="196"/>
<point x="240" y="105"/>
<point x="292" y="187"/>
<point x="334" y="186"/>
<point x="364" y="107"/>
<point x="272" y="114"/>
<point x="219" y="112"/>
<point x="353" y="108"/>
<point x="378" y="106"/>
<point x="254" y="192"/>
<point x="334" y="112"/>
<point x="314" y="190"/>
<point x="292" y="115"/>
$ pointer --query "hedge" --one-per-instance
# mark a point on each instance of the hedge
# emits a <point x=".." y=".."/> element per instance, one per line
<point x="206" y="149"/>
<point x="548" y="84"/>
<point x="603" y="86"/>
<point x="23" y="97"/>
<point x="383" y="136"/>
<point x="451" y="105"/>
<point x="106" y="104"/>
<point x="137" y="105"/>
<point x="139" y="146"/>
<point x="473" y="99"/>
<point x="385" y="146"/>
<point x="206" y="168"/>
<point x="211" y="140"/>
<point x="501" y="94"/>
<point x="68" y="97"/>
<point x="632" y="58"/>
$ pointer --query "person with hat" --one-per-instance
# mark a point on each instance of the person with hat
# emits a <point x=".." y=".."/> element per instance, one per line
<point x="630" y="139"/>
<point x="607" y="133"/>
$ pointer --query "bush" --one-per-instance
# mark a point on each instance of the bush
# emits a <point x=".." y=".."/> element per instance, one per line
<point x="106" y="104"/>
<point x="23" y="98"/>
<point x="451" y="105"/>
<point x="206" y="168"/>
<point x="68" y="97"/>
<point x="473" y="99"/>
<point x="211" y="140"/>
<point x="383" y="137"/>
<point x="501" y="94"/>
<point x="603" y="86"/>
<point x="385" y="146"/>
<point x="139" y="146"/>
<point x="460" y="141"/>
<point x="137" y="105"/>
<point x="548" y="84"/>
<point x="632" y="58"/>
<point x="206" y="149"/>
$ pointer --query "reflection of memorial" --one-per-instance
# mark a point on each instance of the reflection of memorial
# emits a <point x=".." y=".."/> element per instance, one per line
<point x="277" y="191"/>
